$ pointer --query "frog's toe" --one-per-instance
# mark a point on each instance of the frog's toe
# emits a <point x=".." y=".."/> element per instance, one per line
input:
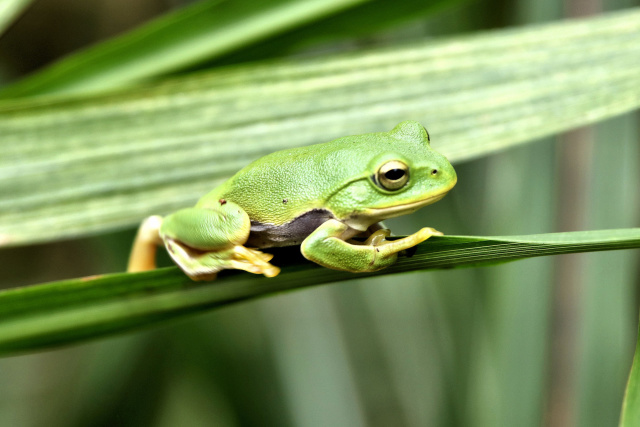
<point x="426" y="232"/>
<point x="262" y="255"/>
<point x="254" y="261"/>
<point x="273" y="271"/>
<point x="262" y="268"/>
<point x="267" y="269"/>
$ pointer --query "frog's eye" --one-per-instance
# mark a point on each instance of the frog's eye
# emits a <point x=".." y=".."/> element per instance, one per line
<point x="393" y="175"/>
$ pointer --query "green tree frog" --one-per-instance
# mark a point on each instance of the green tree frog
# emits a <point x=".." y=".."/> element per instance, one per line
<point x="319" y="196"/>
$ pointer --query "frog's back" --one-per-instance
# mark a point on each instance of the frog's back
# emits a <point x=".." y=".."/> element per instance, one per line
<point x="284" y="185"/>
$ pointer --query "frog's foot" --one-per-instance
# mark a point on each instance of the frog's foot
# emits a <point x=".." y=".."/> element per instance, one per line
<point x="253" y="261"/>
<point x="204" y="265"/>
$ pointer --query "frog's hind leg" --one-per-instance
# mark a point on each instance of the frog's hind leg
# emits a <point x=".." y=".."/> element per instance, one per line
<point x="203" y="241"/>
<point x="143" y="252"/>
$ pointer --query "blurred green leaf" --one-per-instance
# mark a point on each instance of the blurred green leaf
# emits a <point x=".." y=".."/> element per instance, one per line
<point x="74" y="167"/>
<point x="631" y="406"/>
<point x="9" y="11"/>
<point x="73" y="310"/>
<point x="186" y="37"/>
<point x="607" y="318"/>
<point x="363" y="20"/>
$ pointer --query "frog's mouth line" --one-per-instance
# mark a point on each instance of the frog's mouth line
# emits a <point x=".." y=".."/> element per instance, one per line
<point x="392" y="211"/>
<point x="364" y="219"/>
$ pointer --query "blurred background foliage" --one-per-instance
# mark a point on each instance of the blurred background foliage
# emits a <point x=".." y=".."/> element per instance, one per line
<point x="543" y="341"/>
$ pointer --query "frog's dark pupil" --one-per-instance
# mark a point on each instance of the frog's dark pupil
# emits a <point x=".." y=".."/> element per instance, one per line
<point x="394" y="174"/>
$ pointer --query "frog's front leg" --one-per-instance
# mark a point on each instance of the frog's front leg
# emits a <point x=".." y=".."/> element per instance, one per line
<point x="327" y="247"/>
<point x="203" y="241"/>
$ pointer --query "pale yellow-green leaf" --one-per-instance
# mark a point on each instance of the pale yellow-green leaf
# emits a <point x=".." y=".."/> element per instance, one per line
<point x="10" y="10"/>
<point x="75" y="167"/>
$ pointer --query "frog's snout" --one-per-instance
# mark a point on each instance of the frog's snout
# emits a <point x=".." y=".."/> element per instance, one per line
<point x="453" y="177"/>
<point x="444" y="173"/>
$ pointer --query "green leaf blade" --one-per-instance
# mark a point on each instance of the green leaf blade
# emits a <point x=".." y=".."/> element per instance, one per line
<point x="71" y="311"/>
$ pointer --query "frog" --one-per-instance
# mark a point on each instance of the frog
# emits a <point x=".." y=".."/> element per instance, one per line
<point x="328" y="198"/>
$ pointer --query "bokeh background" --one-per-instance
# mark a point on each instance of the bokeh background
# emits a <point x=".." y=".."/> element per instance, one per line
<point x="545" y="341"/>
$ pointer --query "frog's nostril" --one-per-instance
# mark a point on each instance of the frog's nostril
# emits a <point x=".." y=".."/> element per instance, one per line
<point x="434" y="172"/>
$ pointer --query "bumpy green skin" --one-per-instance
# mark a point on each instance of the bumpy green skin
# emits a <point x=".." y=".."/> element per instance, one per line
<point x="331" y="189"/>
<point x="336" y="176"/>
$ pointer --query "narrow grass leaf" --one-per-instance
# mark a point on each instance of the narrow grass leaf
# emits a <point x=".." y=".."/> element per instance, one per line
<point x="183" y="38"/>
<point x="69" y="311"/>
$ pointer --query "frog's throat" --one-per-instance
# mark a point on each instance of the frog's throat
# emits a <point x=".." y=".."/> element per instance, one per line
<point x="407" y="207"/>
<point x="362" y="220"/>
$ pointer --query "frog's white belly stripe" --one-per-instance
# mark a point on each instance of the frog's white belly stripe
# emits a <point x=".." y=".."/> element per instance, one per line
<point x="288" y="234"/>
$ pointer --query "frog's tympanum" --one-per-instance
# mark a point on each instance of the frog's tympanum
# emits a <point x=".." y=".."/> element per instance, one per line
<point x="320" y="197"/>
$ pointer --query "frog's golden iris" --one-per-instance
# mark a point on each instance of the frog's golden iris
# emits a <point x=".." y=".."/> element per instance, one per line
<point x="393" y="175"/>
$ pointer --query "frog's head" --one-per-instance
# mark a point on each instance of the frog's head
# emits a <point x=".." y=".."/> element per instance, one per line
<point x="399" y="173"/>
